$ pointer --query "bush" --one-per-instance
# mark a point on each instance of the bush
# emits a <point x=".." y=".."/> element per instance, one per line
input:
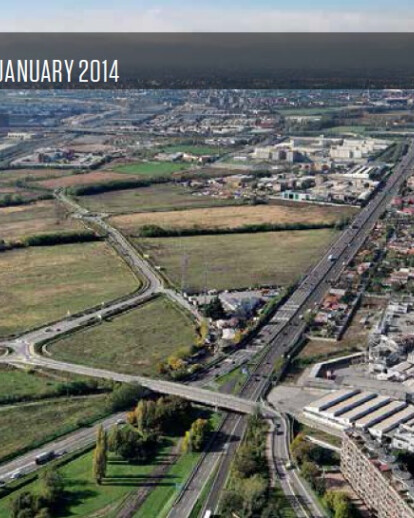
<point x="60" y="238"/>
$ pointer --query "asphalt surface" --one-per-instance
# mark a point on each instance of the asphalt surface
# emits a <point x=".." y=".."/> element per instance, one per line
<point x="26" y="464"/>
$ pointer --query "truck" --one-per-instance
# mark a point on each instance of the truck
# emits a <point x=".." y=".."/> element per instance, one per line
<point x="44" y="457"/>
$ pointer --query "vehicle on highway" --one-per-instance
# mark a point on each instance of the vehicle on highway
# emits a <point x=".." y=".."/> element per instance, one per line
<point x="120" y="421"/>
<point x="331" y="258"/>
<point x="207" y="514"/>
<point x="16" y="474"/>
<point x="44" y="457"/>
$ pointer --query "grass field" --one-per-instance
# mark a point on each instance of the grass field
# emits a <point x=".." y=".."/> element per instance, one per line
<point x="42" y="284"/>
<point x="159" y="502"/>
<point x="151" y="169"/>
<point x="29" y="175"/>
<point x="17" y="382"/>
<point x="81" y="179"/>
<point x="86" y="499"/>
<point x="233" y="217"/>
<point x="36" y="218"/>
<point x="132" y="343"/>
<point x="24" y="426"/>
<point x="154" y="198"/>
<point x="192" y="149"/>
<point x="237" y="260"/>
<point x="345" y="129"/>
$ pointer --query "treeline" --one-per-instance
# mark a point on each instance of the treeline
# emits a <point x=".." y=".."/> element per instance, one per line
<point x="13" y="200"/>
<point x="61" y="238"/>
<point x="248" y="493"/>
<point x="157" y="231"/>
<point x="114" y="185"/>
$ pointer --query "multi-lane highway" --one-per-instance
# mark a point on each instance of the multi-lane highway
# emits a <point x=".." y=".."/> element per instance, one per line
<point x="288" y="324"/>
<point x="278" y="337"/>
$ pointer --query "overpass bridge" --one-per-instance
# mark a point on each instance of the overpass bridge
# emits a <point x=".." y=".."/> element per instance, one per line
<point x="210" y="398"/>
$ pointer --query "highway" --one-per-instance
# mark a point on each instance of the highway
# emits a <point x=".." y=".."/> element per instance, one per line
<point x="279" y="337"/>
<point x="26" y="464"/>
<point x="284" y="330"/>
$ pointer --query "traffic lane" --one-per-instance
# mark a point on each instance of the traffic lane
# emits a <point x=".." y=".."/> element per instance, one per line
<point x="68" y="444"/>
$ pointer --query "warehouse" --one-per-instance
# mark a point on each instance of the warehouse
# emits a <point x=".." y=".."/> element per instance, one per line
<point x="362" y="410"/>
<point x="389" y="424"/>
<point x="348" y="404"/>
<point x="380" y="414"/>
<point x="331" y="399"/>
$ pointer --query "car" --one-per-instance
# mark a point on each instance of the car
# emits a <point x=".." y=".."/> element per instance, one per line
<point x="16" y="474"/>
<point x="120" y="421"/>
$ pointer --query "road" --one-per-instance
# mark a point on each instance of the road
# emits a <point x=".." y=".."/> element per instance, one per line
<point x="299" y="496"/>
<point x="26" y="464"/>
<point x="283" y="331"/>
<point x="279" y="337"/>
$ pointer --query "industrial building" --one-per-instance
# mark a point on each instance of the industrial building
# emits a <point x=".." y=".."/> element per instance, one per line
<point x="366" y="411"/>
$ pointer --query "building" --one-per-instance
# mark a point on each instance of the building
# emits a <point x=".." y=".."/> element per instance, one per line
<point x="385" y="488"/>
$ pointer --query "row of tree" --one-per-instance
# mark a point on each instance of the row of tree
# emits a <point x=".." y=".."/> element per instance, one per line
<point x="309" y="457"/>
<point x="247" y="494"/>
<point x="157" y="231"/>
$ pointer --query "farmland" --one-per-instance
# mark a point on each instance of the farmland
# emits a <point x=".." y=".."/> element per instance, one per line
<point x="41" y="284"/>
<point x="151" y="169"/>
<point x="154" y="198"/>
<point x="80" y="179"/>
<point x="29" y="175"/>
<point x="45" y="420"/>
<point x="36" y="218"/>
<point x="143" y="337"/>
<point x="233" y="217"/>
<point x="192" y="149"/>
<point x="237" y="260"/>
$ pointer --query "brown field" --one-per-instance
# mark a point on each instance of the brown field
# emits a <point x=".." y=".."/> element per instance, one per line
<point x="36" y="218"/>
<point x="12" y="175"/>
<point x="24" y="193"/>
<point x="82" y="179"/>
<point x="225" y="217"/>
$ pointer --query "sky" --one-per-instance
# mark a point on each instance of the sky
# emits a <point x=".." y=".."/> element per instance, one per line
<point x="207" y="16"/>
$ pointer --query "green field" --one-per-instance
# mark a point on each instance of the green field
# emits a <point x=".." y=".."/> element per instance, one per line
<point x="237" y="260"/>
<point x="192" y="149"/>
<point x="151" y="169"/>
<point x="345" y="129"/>
<point x="159" y="502"/>
<point x="26" y="425"/>
<point x="22" y="383"/>
<point x="85" y="498"/>
<point x="132" y="343"/>
<point x="41" y="284"/>
<point x="322" y="110"/>
<point x="154" y="198"/>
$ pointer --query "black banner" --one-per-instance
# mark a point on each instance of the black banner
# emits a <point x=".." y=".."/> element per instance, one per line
<point x="207" y="60"/>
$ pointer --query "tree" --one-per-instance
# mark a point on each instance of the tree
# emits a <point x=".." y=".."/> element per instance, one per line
<point x="114" y="438"/>
<point x="100" y="456"/>
<point x="52" y="488"/>
<point x="202" y="333"/>
<point x="214" y="309"/>
<point x="194" y="438"/>
<point x="126" y="396"/>
<point x="24" y="505"/>
<point x="310" y="471"/>
<point x="253" y="490"/>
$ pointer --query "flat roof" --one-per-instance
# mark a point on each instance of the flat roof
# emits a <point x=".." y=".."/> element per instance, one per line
<point x="401" y="367"/>
<point x="344" y="406"/>
<point x="394" y="420"/>
<point x="383" y="412"/>
<point x="332" y="398"/>
<point x="367" y="407"/>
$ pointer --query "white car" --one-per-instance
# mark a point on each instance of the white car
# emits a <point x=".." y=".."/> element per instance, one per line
<point x="17" y="474"/>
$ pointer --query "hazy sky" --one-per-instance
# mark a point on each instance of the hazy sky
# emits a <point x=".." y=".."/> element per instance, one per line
<point x="207" y="15"/>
